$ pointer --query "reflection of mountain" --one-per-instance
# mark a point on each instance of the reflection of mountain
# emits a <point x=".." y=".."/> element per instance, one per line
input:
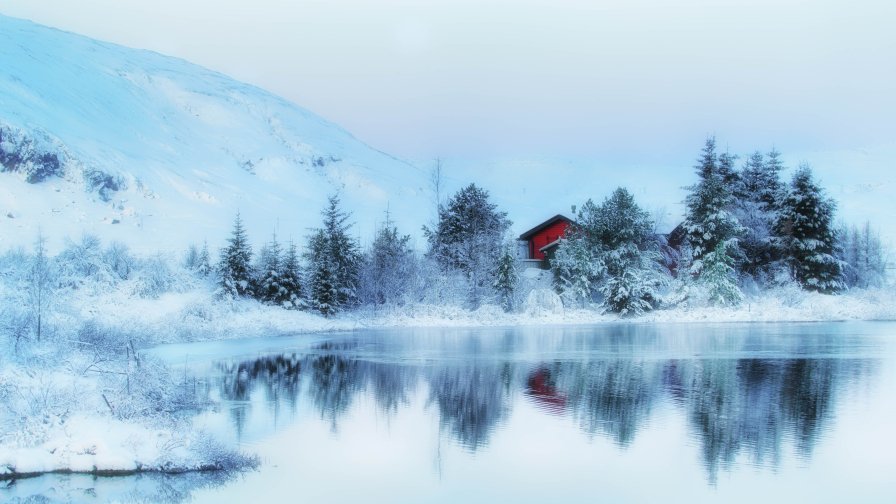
<point x="733" y="406"/>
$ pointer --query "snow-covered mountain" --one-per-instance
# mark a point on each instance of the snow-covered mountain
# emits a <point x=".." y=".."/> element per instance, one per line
<point x="157" y="152"/>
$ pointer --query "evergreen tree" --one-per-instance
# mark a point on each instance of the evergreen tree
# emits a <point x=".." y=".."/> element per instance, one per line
<point x="807" y="235"/>
<point x="623" y="248"/>
<point x="191" y="258"/>
<point x="291" y="279"/>
<point x="577" y="269"/>
<point x="759" y="194"/>
<point x="334" y="262"/>
<point x="506" y="279"/>
<point x="269" y="287"/>
<point x="468" y="238"/>
<point x="235" y="267"/>
<point x="711" y="226"/>
<point x="203" y="262"/>
<point x="388" y="267"/>
<point x="324" y="293"/>
<point x="709" y="220"/>
<point x="719" y="278"/>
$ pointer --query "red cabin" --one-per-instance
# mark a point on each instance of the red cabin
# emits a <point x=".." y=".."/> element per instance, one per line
<point x="545" y="236"/>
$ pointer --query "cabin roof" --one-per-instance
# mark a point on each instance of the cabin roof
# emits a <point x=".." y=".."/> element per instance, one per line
<point x="559" y="217"/>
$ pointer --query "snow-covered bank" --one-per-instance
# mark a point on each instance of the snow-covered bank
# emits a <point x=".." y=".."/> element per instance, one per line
<point x="77" y="403"/>
<point x="195" y="315"/>
<point x="102" y="445"/>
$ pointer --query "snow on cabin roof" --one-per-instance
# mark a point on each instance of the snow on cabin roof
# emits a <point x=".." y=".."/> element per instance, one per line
<point x="528" y="234"/>
<point x="551" y="245"/>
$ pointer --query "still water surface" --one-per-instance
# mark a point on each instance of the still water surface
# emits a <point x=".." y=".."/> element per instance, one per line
<point x="611" y="413"/>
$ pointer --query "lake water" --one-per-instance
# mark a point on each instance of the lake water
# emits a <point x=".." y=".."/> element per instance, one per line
<point x="610" y="413"/>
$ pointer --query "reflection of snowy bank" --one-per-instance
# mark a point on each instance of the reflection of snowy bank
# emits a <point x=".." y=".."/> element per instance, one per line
<point x="157" y="488"/>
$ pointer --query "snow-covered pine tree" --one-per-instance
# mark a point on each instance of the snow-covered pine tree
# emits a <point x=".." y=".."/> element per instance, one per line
<point x="577" y="269"/>
<point x="805" y="225"/>
<point x="334" y="262"/>
<point x="235" y="266"/>
<point x="268" y="284"/>
<point x="191" y="258"/>
<point x="507" y="278"/>
<point x="709" y="220"/>
<point x="388" y="268"/>
<point x="323" y="290"/>
<point x="621" y="235"/>
<point x="711" y="226"/>
<point x="468" y="238"/>
<point x="719" y="278"/>
<point x="291" y="279"/>
<point x="758" y="197"/>
<point x="203" y="262"/>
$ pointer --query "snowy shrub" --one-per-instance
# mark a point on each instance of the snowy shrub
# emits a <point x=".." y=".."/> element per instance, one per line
<point x="17" y="323"/>
<point x="82" y="263"/>
<point x="149" y="389"/>
<point x="154" y="278"/>
<point x="104" y="342"/>
<point x="118" y="258"/>
<point x="440" y="286"/>
<point x="634" y="291"/>
<point x="220" y="457"/>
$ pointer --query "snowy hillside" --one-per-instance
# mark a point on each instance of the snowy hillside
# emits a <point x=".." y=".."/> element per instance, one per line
<point x="157" y="152"/>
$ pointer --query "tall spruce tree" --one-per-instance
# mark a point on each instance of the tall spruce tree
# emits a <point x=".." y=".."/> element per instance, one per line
<point x="235" y="266"/>
<point x="291" y="279"/>
<point x="203" y="261"/>
<point x="268" y="284"/>
<point x="711" y="226"/>
<point x="626" y="243"/>
<point x="334" y="262"/>
<point x="805" y="225"/>
<point x="759" y="194"/>
<point x="323" y="291"/>
<point x="506" y="279"/>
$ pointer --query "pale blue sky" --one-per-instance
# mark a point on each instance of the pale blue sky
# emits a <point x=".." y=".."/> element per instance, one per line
<point x="602" y="85"/>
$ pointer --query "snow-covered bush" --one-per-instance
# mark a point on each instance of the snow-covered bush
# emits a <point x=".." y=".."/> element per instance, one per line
<point x="155" y="277"/>
<point x="82" y="264"/>
<point x="118" y="257"/>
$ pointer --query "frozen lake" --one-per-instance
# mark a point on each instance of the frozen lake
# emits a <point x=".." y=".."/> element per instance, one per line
<point x="616" y="413"/>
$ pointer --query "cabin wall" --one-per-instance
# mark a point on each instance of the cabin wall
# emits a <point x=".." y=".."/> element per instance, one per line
<point x="547" y="235"/>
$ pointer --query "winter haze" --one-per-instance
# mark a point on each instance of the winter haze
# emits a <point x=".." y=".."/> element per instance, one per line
<point x="521" y="96"/>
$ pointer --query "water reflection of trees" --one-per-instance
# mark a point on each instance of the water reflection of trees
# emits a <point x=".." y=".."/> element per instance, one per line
<point x="734" y="407"/>
<point x="472" y="400"/>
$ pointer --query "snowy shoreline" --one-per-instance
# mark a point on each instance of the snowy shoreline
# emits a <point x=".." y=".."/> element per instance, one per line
<point x="196" y="316"/>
